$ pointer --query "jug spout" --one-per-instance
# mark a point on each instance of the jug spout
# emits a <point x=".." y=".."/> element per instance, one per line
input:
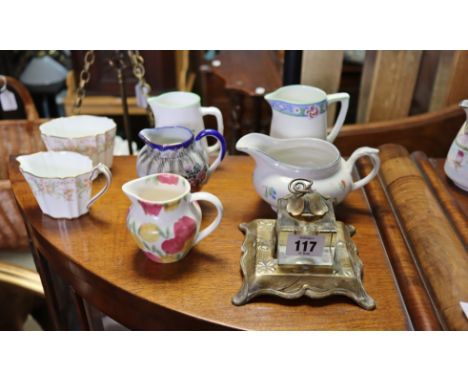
<point x="153" y="104"/>
<point x="464" y="104"/>
<point x="131" y="189"/>
<point x="167" y="138"/>
<point x="271" y="97"/>
<point x="156" y="189"/>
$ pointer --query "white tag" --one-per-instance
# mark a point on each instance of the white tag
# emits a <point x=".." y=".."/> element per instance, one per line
<point x="309" y="246"/>
<point x="140" y="94"/>
<point x="464" y="306"/>
<point x="8" y="100"/>
<point x="302" y="249"/>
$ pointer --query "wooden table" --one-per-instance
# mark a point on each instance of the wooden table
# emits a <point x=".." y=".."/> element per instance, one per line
<point x="98" y="260"/>
<point x="250" y="74"/>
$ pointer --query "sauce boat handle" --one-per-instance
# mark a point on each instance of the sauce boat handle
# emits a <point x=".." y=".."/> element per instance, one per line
<point x="207" y="197"/>
<point x="373" y="155"/>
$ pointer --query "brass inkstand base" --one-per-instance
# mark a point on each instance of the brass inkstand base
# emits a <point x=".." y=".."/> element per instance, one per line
<point x="264" y="276"/>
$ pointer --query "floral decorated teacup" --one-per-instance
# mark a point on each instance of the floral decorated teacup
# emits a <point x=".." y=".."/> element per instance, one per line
<point x="164" y="218"/>
<point x="86" y="134"/>
<point x="61" y="181"/>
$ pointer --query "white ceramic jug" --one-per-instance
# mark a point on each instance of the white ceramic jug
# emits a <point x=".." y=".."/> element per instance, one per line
<point x="456" y="165"/>
<point x="184" y="109"/>
<point x="300" y="111"/>
<point x="278" y="161"/>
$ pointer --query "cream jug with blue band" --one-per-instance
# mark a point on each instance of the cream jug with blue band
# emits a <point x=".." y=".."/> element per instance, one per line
<point x="300" y="111"/>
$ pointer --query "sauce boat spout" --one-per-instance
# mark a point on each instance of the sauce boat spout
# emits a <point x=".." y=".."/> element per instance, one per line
<point x="255" y="145"/>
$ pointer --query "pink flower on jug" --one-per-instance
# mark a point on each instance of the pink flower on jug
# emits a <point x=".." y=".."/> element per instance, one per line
<point x="184" y="231"/>
<point x="459" y="158"/>
<point x="196" y="182"/>
<point x="312" y="111"/>
<point x="168" y="179"/>
<point x="151" y="208"/>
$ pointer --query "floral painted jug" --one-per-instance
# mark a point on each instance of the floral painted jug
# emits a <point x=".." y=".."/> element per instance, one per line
<point x="300" y="111"/>
<point x="174" y="149"/>
<point x="456" y="165"/>
<point x="164" y="218"/>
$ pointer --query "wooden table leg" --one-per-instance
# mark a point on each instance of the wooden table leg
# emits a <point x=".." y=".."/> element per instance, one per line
<point x="46" y="280"/>
<point x="81" y="309"/>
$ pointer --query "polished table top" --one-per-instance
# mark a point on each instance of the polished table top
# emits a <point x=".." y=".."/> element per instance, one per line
<point x="99" y="258"/>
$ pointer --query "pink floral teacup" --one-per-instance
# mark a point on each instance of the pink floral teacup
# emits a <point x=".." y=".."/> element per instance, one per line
<point x="61" y="181"/>
<point x="164" y="218"/>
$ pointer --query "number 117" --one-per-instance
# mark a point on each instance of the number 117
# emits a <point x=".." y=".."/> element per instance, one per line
<point x="305" y="244"/>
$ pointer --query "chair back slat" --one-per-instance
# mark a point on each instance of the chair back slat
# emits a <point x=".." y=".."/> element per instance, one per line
<point x="458" y="82"/>
<point x="387" y="85"/>
<point x="440" y="87"/>
<point x="425" y="82"/>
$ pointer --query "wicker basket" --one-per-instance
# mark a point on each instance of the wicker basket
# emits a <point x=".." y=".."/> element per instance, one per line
<point x="16" y="137"/>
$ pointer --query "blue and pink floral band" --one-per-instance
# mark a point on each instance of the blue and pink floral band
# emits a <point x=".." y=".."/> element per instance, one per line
<point x="310" y="111"/>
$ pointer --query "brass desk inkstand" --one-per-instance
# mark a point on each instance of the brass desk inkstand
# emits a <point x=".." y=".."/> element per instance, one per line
<point x="304" y="252"/>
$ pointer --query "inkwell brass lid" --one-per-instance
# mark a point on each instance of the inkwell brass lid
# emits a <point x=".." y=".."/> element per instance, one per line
<point x="306" y="218"/>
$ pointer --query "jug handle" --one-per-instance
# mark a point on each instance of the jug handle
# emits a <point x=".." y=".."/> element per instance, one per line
<point x="344" y="99"/>
<point x="222" y="152"/>
<point x="211" y="110"/>
<point x="103" y="169"/>
<point x="207" y="197"/>
<point x="373" y="155"/>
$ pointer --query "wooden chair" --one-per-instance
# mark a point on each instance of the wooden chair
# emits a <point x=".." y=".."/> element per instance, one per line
<point x="394" y="84"/>
<point x="16" y="136"/>
<point x="26" y="107"/>
<point x="431" y="132"/>
<point x="245" y="77"/>
<point x="405" y="97"/>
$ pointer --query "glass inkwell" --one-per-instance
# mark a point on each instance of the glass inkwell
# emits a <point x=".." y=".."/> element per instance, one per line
<point x="305" y="228"/>
<point x="305" y="251"/>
